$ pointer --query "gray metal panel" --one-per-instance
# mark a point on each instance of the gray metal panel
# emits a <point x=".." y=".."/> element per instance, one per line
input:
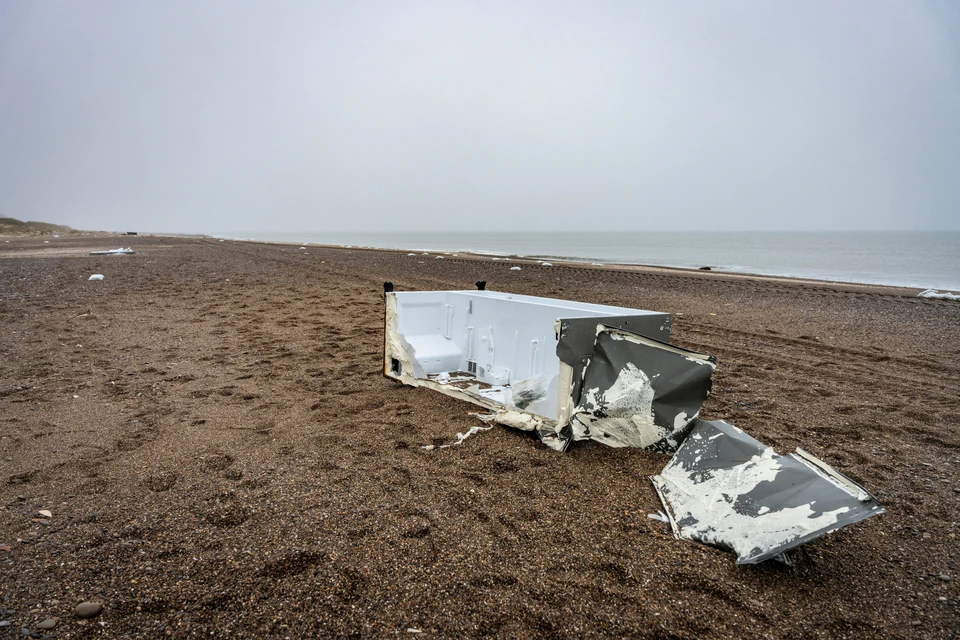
<point x="578" y="336"/>
<point x="640" y="392"/>
<point x="726" y="489"/>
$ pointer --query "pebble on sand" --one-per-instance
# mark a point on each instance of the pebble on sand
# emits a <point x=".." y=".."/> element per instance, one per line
<point x="88" y="609"/>
<point x="47" y="624"/>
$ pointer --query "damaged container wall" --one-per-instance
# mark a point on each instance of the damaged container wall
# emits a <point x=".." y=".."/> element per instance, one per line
<point x="499" y="349"/>
<point x="726" y="489"/>
<point x="639" y="392"/>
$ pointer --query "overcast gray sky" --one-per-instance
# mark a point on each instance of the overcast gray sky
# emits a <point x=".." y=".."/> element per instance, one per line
<point x="220" y="116"/>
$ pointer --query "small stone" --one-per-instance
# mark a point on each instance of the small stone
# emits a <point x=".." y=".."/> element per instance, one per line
<point x="44" y="513"/>
<point x="945" y="577"/>
<point x="24" y="631"/>
<point x="88" y="609"/>
<point x="6" y="623"/>
<point x="956" y="489"/>
<point x="47" y="624"/>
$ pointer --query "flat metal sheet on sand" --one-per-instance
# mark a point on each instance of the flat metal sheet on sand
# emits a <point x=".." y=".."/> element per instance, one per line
<point x="728" y="490"/>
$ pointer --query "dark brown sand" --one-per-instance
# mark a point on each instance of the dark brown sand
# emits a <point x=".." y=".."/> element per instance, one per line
<point x="210" y="428"/>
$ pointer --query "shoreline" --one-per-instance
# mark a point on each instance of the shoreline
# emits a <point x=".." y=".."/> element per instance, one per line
<point x="886" y="277"/>
<point x="529" y="259"/>
<point x="587" y="264"/>
<point x="520" y="260"/>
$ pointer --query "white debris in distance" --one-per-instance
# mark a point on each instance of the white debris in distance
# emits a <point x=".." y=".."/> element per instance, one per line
<point x="112" y="252"/>
<point x="941" y="295"/>
<point x="96" y="276"/>
<point x="514" y="268"/>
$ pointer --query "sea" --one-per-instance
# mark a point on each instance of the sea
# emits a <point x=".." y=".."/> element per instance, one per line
<point x="908" y="259"/>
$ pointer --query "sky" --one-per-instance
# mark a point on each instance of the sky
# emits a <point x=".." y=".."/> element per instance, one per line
<point x="455" y="116"/>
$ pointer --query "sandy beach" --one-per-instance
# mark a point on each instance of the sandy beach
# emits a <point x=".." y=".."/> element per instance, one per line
<point x="221" y="456"/>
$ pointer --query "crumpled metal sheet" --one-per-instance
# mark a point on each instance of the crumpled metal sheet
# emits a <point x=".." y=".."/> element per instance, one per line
<point x="726" y="489"/>
<point x="640" y="392"/>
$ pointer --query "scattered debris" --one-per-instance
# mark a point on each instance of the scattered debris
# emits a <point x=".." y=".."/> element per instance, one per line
<point x="96" y="276"/>
<point x="115" y="252"/>
<point x="514" y="268"/>
<point x="43" y="513"/>
<point x="941" y="295"/>
<point x="460" y="438"/>
<point x="706" y="269"/>
<point x="659" y="515"/>
<point x="571" y="371"/>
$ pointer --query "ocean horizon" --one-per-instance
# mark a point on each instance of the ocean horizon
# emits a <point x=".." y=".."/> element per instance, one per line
<point x="917" y="259"/>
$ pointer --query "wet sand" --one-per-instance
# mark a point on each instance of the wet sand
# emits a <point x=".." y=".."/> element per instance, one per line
<point x="211" y="430"/>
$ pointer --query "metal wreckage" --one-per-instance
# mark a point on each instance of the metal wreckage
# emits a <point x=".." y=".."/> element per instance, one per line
<point x="572" y="371"/>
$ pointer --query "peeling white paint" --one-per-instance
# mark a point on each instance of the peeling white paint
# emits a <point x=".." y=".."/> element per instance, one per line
<point x="627" y="407"/>
<point x="709" y="507"/>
